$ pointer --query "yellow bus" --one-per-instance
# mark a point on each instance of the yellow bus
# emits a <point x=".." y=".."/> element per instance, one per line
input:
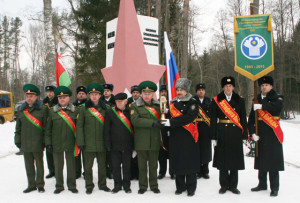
<point x="6" y="106"/>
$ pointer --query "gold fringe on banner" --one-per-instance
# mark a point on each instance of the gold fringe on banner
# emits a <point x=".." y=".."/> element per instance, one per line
<point x="270" y="24"/>
<point x="236" y="27"/>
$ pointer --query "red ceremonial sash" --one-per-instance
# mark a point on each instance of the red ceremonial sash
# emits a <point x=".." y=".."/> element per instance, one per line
<point x="204" y="116"/>
<point x="153" y="112"/>
<point x="33" y="120"/>
<point x="272" y="122"/>
<point x="124" y="120"/>
<point x="229" y="112"/>
<point x="97" y="114"/>
<point x="192" y="128"/>
<point x="71" y="124"/>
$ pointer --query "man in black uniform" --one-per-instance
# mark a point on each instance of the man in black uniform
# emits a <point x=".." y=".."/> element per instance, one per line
<point x="50" y="101"/>
<point x="109" y="99"/>
<point x="81" y="98"/>
<point x="118" y="136"/>
<point x="203" y="129"/>
<point x="164" y="150"/>
<point x="228" y="135"/>
<point x="184" y="149"/>
<point x="135" y="92"/>
<point x="270" y="157"/>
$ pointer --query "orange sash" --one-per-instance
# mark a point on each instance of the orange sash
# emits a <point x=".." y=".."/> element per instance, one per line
<point x="204" y="116"/>
<point x="192" y="128"/>
<point x="97" y="115"/>
<point x="153" y="112"/>
<point x="33" y="120"/>
<point x="229" y="112"/>
<point x="272" y="122"/>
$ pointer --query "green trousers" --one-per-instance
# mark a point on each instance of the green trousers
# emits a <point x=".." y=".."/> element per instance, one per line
<point x="145" y="159"/>
<point x="58" y="158"/>
<point x="89" y="158"/>
<point x="34" y="166"/>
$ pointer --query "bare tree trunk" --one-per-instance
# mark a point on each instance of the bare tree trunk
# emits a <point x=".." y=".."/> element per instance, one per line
<point x="50" y="56"/>
<point x="185" y="56"/>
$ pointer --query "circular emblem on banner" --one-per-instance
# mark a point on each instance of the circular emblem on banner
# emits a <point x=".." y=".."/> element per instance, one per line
<point x="254" y="47"/>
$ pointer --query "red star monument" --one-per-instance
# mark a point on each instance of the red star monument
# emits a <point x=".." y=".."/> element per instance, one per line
<point x="130" y="65"/>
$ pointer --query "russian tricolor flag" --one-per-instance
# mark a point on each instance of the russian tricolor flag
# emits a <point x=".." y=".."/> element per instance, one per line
<point x="172" y="71"/>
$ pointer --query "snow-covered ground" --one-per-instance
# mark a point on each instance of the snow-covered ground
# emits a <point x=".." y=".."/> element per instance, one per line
<point x="13" y="179"/>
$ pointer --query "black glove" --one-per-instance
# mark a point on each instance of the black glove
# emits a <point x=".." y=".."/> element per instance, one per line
<point x="18" y="145"/>
<point x="157" y="124"/>
<point x="49" y="148"/>
<point x="81" y="148"/>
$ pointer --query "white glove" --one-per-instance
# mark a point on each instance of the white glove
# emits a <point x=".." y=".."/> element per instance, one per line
<point x="134" y="153"/>
<point x="245" y="142"/>
<point x="257" y="106"/>
<point x="255" y="137"/>
<point x="215" y="143"/>
<point x="166" y="122"/>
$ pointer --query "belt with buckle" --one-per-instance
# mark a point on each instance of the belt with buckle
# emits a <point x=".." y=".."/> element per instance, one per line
<point x="277" y="118"/>
<point x="225" y="121"/>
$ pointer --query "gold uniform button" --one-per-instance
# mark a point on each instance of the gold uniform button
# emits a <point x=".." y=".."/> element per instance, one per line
<point x="225" y="116"/>
<point x="233" y="125"/>
<point x="226" y="125"/>
<point x="181" y="110"/>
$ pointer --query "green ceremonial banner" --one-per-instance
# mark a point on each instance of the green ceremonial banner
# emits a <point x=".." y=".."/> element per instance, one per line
<point x="253" y="45"/>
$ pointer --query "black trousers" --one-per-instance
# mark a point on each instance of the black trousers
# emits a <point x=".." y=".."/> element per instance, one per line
<point x="121" y="158"/>
<point x="78" y="165"/>
<point x="163" y="160"/>
<point x="187" y="181"/>
<point x="204" y="169"/>
<point x="228" y="179"/>
<point x="134" y="168"/>
<point x="273" y="177"/>
<point x="50" y="162"/>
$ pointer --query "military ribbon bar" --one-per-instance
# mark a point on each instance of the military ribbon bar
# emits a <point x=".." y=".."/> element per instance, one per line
<point x="72" y="126"/>
<point x="33" y="120"/>
<point x="153" y="112"/>
<point x="124" y="120"/>
<point x="204" y="116"/>
<point x="97" y="115"/>
<point x="192" y="128"/>
<point x="272" y="122"/>
<point x="229" y="112"/>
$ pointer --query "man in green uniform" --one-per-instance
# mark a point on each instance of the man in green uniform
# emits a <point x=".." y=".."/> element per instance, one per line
<point x="81" y="97"/>
<point x="90" y="136"/>
<point x="29" y="136"/>
<point x="60" y="138"/>
<point x="145" y="117"/>
<point x="50" y="100"/>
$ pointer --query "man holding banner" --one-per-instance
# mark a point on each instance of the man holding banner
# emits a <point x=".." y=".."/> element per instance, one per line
<point x="270" y="136"/>
<point x="228" y="129"/>
<point x="60" y="138"/>
<point x="90" y="137"/>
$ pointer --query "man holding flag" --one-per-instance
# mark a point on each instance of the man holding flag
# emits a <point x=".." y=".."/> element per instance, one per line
<point x="270" y="136"/>
<point x="60" y="138"/>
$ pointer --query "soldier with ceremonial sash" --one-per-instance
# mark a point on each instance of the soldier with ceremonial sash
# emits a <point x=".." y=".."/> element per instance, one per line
<point x="145" y="117"/>
<point x="270" y="136"/>
<point x="90" y="137"/>
<point x="228" y="129"/>
<point x="184" y="148"/>
<point x="29" y="136"/>
<point x="135" y="92"/>
<point x="50" y="100"/>
<point x="203" y="121"/>
<point x="81" y="98"/>
<point x="60" y="138"/>
<point x="118" y="134"/>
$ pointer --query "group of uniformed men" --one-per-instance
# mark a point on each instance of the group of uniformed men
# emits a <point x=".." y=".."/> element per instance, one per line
<point x="130" y="135"/>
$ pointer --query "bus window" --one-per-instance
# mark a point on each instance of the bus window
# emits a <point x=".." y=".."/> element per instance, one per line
<point x="5" y="101"/>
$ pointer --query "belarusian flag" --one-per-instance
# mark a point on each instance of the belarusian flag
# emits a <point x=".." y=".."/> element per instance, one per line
<point x="62" y="76"/>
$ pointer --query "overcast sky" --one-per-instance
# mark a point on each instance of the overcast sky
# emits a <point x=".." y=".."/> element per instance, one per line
<point x="205" y="21"/>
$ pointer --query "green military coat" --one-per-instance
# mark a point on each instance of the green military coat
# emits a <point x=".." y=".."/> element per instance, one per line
<point x="58" y="133"/>
<point x="27" y="134"/>
<point x="89" y="130"/>
<point x="145" y="136"/>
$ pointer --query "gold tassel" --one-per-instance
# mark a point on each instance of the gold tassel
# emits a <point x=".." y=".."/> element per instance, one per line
<point x="236" y="27"/>
<point x="270" y="24"/>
